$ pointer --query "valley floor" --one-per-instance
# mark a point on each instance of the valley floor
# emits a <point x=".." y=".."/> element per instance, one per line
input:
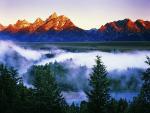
<point x="83" y="46"/>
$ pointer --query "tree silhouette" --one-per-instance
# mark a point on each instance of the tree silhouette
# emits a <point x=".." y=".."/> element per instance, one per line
<point x="141" y="103"/>
<point x="98" y="96"/>
<point x="48" y="97"/>
<point x="8" y="89"/>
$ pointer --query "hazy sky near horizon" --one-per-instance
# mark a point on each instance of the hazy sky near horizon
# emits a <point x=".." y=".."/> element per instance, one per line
<point x="84" y="13"/>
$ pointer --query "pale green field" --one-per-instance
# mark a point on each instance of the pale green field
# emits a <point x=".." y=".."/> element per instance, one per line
<point x="72" y="46"/>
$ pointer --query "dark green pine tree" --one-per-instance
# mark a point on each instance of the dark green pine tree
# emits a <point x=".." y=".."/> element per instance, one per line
<point x="98" y="96"/>
<point x="48" y="97"/>
<point x="141" y="103"/>
<point x="25" y="102"/>
<point x="122" y="106"/>
<point x="83" y="107"/>
<point x="8" y="89"/>
<point x="113" y="106"/>
<point x="73" y="109"/>
<point x="145" y="91"/>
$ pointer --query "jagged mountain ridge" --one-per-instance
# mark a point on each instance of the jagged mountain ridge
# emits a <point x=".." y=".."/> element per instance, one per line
<point x="126" y="30"/>
<point x="61" y="29"/>
<point x="1" y="27"/>
<point x="126" y="25"/>
<point x="54" y="22"/>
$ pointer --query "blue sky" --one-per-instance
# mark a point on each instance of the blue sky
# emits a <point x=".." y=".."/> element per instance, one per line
<point x="84" y="13"/>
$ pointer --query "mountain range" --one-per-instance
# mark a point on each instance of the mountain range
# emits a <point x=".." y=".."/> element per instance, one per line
<point x="61" y="29"/>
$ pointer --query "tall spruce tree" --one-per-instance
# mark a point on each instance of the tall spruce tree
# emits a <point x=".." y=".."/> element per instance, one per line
<point x="145" y="91"/>
<point x="8" y="89"/>
<point x="48" y="98"/>
<point x="141" y="103"/>
<point x="98" y="96"/>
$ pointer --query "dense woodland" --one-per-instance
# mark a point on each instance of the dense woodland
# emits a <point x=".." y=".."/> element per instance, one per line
<point x="45" y="96"/>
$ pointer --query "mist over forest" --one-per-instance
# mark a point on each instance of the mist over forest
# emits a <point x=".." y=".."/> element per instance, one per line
<point x="59" y="80"/>
<point x="72" y="69"/>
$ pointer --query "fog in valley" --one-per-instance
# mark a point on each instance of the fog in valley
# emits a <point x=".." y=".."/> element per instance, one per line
<point x="123" y="68"/>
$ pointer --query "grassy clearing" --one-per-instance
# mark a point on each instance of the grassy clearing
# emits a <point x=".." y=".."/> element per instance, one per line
<point x="81" y="46"/>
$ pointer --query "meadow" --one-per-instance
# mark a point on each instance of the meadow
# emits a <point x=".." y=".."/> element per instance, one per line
<point x="83" y="46"/>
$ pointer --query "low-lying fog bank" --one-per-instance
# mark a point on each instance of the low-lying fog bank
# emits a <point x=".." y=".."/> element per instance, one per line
<point x="112" y="61"/>
<point x="119" y="65"/>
